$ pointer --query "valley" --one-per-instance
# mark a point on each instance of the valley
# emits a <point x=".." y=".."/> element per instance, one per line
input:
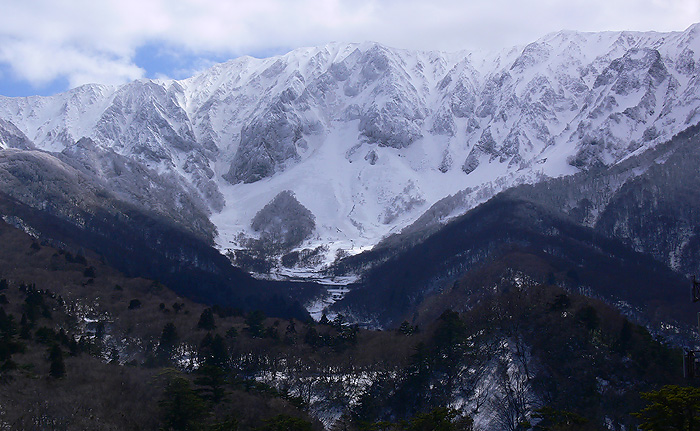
<point x="356" y="237"/>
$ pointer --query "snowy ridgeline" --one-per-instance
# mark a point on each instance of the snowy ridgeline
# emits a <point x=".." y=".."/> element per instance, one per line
<point x="340" y="145"/>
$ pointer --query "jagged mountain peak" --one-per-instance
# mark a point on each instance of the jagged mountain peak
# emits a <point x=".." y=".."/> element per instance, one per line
<point x="368" y="137"/>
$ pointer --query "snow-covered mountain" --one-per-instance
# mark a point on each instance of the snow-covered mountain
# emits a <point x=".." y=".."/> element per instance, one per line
<point x="365" y="137"/>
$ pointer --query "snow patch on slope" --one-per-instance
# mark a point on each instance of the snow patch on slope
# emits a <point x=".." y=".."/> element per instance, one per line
<point x="369" y="138"/>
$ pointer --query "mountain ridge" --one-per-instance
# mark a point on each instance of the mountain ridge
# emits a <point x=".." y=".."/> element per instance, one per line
<point x="368" y="137"/>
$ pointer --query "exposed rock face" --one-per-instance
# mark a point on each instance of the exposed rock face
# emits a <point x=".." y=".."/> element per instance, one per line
<point x="12" y="137"/>
<point x="347" y="126"/>
<point x="266" y="146"/>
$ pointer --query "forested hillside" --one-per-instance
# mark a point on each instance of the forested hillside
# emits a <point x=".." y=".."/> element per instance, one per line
<point x="83" y="346"/>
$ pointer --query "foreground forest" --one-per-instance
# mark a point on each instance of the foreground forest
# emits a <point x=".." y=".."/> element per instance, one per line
<point x="84" y="347"/>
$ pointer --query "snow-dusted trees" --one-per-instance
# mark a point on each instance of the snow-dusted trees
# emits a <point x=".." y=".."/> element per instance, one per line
<point x="284" y="222"/>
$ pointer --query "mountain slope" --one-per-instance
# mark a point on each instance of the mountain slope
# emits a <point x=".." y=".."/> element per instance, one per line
<point x="367" y="137"/>
<point x="121" y="343"/>
<point x="625" y="233"/>
<point x="141" y="245"/>
<point x="549" y="247"/>
<point x="649" y="201"/>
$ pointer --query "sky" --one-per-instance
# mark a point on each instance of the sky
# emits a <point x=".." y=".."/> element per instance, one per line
<point x="49" y="46"/>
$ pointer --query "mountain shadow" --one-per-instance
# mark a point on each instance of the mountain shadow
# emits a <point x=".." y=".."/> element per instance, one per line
<point x="139" y="244"/>
<point x="584" y="260"/>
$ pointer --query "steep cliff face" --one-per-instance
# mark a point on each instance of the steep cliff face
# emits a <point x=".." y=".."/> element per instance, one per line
<point x="368" y="138"/>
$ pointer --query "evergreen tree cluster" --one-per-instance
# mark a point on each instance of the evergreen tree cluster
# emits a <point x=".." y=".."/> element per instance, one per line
<point x="223" y="355"/>
<point x="567" y="334"/>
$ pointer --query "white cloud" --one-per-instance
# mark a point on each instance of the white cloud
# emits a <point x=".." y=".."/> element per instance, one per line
<point x="42" y="63"/>
<point x="87" y="40"/>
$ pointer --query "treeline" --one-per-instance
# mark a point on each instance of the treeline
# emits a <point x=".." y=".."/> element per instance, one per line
<point x="551" y="357"/>
<point x="521" y="356"/>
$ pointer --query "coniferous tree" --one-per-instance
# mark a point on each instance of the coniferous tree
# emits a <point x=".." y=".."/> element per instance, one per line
<point x="58" y="368"/>
<point x="286" y="423"/>
<point x="219" y="352"/>
<point x="169" y="337"/>
<point x="551" y="419"/>
<point x="8" y="330"/>
<point x="206" y="320"/>
<point x="24" y="328"/>
<point x="290" y="333"/>
<point x="440" y="419"/>
<point x="167" y="343"/>
<point x="213" y="379"/>
<point x="671" y="408"/>
<point x="311" y="338"/>
<point x="213" y="351"/>
<point x="324" y="320"/>
<point x="181" y="407"/>
<point x="255" y="321"/>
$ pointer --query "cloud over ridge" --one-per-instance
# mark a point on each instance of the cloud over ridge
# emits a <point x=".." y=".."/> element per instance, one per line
<point x="81" y="41"/>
